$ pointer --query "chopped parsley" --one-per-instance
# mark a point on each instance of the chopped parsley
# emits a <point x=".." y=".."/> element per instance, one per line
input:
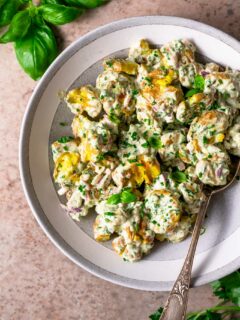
<point x="81" y="188"/>
<point x="155" y="142"/>
<point x="110" y="214"/>
<point x="205" y="140"/>
<point x="145" y="145"/>
<point x="135" y="92"/>
<point x="109" y="63"/>
<point x="65" y="139"/>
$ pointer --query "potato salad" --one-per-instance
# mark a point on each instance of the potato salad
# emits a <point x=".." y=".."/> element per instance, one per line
<point x="153" y="130"/>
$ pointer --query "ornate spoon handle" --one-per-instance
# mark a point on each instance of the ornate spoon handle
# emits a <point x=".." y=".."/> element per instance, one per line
<point x="176" y="305"/>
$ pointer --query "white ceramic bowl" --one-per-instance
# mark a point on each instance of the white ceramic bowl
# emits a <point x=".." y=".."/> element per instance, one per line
<point x="218" y="250"/>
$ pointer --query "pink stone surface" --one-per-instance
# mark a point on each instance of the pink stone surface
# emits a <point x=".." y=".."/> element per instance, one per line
<point x="36" y="280"/>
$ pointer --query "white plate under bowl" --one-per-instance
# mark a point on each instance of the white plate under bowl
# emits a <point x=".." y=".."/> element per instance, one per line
<point x="218" y="249"/>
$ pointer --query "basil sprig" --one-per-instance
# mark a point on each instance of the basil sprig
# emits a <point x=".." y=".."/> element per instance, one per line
<point x="198" y="86"/>
<point x="7" y="11"/>
<point x="126" y="196"/>
<point x="30" y="29"/>
<point x="58" y="14"/>
<point x="18" y="27"/>
<point x="36" y="51"/>
<point x="90" y="4"/>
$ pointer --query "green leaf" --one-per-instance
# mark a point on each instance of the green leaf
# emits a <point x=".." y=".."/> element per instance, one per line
<point x="7" y="11"/>
<point x="114" y="118"/>
<point x="155" y="142"/>
<point x="18" y="27"/>
<point x="228" y="288"/>
<point x="145" y="145"/>
<point x="36" y="50"/>
<point x="178" y="176"/>
<point x="110" y="214"/>
<point x="214" y="106"/>
<point x="59" y="14"/>
<point x="127" y="196"/>
<point x="65" y="139"/>
<point x="205" y="140"/>
<point x="52" y="2"/>
<point x="156" y="315"/>
<point x="114" y="199"/>
<point x="206" y="315"/>
<point x="86" y="3"/>
<point x="191" y="92"/>
<point x="2" y="2"/>
<point x="199" y="82"/>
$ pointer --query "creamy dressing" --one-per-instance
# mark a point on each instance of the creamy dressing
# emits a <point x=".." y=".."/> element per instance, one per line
<point x="156" y="126"/>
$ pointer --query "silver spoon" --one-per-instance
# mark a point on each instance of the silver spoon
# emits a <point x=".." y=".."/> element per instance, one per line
<point x="176" y="305"/>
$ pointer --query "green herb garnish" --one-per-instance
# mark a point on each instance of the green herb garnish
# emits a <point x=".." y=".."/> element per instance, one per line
<point x="227" y="290"/>
<point x="109" y="63"/>
<point x="126" y="196"/>
<point x="198" y="86"/>
<point x="205" y="140"/>
<point x="145" y="145"/>
<point x="191" y="92"/>
<point x="81" y="188"/>
<point x="155" y="142"/>
<point x="65" y="139"/>
<point x="178" y="176"/>
<point x="199" y="83"/>
<point x="110" y="214"/>
<point x="135" y="92"/>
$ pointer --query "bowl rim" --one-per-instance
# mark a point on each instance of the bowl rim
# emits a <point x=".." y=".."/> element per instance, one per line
<point x="25" y="133"/>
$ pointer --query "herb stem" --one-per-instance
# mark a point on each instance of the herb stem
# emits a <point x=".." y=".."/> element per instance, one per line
<point x="218" y="307"/>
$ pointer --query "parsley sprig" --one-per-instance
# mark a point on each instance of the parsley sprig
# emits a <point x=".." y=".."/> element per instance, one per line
<point x="227" y="290"/>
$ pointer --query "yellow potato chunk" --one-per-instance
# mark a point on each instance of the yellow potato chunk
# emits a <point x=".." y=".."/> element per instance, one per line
<point x="84" y="99"/>
<point x="66" y="165"/>
<point x="88" y="151"/>
<point x="120" y="65"/>
<point x="145" y="170"/>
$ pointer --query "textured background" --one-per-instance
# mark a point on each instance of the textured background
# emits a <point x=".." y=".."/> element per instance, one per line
<point x="36" y="280"/>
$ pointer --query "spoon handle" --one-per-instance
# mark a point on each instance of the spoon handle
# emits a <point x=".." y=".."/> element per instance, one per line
<point x="176" y="305"/>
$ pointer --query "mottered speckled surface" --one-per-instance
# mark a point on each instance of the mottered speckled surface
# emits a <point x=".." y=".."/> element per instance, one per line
<point x="36" y="281"/>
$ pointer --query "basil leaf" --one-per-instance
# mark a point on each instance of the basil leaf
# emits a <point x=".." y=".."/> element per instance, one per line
<point x="51" y="2"/>
<point x="178" y="176"/>
<point x="36" y="50"/>
<point x="18" y="27"/>
<point x="191" y="92"/>
<point x="59" y="14"/>
<point x="127" y="196"/>
<point x="199" y="82"/>
<point x="114" y="199"/>
<point x="2" y="2"/>
<point x="7" y="11"/>
<point x="86" y="3"/>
